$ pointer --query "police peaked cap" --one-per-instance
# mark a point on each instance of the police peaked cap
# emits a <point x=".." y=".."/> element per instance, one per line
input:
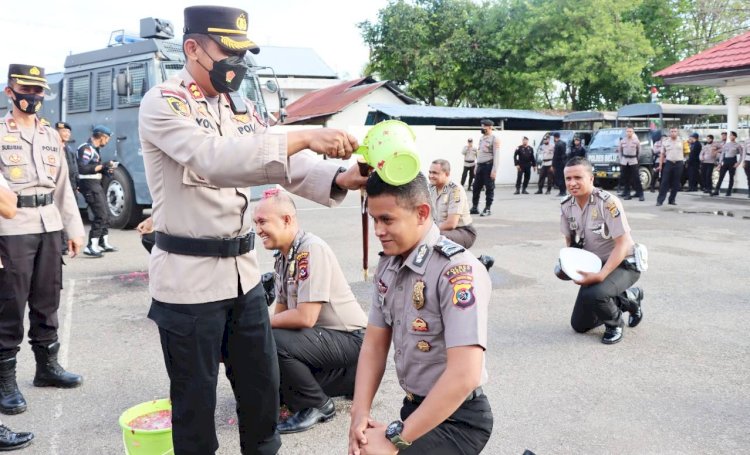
<point x="63" y="126"/>
<point x="227" y="26"/>
<point x="27" y="75"/>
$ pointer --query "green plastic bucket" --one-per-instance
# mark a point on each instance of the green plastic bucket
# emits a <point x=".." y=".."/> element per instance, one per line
<point x="146" y="442"/>
<point x="390" y="148"/>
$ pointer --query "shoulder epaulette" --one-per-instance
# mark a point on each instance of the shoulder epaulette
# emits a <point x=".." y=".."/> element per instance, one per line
<point x="604" y="195"/>
<point x="565" y="199"/>
<point x="448" y="248"/>
<point x="452" y="184"/>
<point x="44" y="122"/>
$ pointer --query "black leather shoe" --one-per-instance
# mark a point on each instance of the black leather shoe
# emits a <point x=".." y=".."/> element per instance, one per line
<point x="49" y="373"/>
<point x="487" y="261"/>
<point x="474" y="211"/>
<point x="641" y="198"/>
<point x="10" y="440"/>
<point x="486" y="212"/>
<point x="659" y="204"/>
<point x="11" y="399"/>
<point x="635" y="316"/>
<point x="548" y="192"/>
<point x="307" y="418"/>
<point x="627" y="198"/>
<point x="538" y="192"/>
<point x="672" y="203"/>
<point x="524" y="192"/>
<point x="612" y="335"/>
<point x="517" y="192"/>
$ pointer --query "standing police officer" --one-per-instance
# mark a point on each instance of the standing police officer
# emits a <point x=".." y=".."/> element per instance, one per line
<point x="203" y="147"/>
<point x="547" y="171"/>
<point x="63" y="129"/>
<point x="577" y="149"/>
<point x="629" y="149"/>
<point x="488" y="158"/>
<point x="524" y="160"/>
<point x="33" y="163"/>
<point x="558" y="163"/>
<point x="708" y="155"/>
<point x="431" y="300"/>
<point x="318" y="325"/>
<point x="694" y="163"/>
<point x="470" y="162"/>
<point x="595" y="221"/>
<point x="671" y="165"/>
<point x="731" y="154"/>
<point x="90" y="171"/>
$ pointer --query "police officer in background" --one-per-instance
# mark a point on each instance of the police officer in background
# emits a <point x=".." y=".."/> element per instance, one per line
<point x="318" y="325"/>
<point x="63" y="129"/>
<point x="558" y="162"/>
<point x="90" y="172"/>
<point x="708" y="155"/>
<point x="731" y="158"/>
<point x="524" y="160"/>
<point x="671" y="165"/>
<point x="694" y="163"/>
<point x="488" y="158"/>
<point x="656" y="150"/>
<point x="203" y="147"/>
<point x="629" y="149"/>
<point x="470" y="162"/>
<point x="34" y="165"/>
<point x="577" y="149"/>
<point x="546" y="171"/>
<point x="431" y="300"/>
<point x="595" y="220"/>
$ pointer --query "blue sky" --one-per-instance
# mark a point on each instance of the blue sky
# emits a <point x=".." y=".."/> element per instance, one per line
<point x="49" y="30"/>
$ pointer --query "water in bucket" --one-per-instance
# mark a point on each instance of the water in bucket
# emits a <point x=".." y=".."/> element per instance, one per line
<point x="390" y="148"/>
<point x="146" y="441"/>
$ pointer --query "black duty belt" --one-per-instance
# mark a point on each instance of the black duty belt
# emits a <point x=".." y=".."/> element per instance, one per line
<point x="416" y="399"/>
<point x="222" y="248"/>
<point x="487" y="163"/>
<point x="34" y="200"/>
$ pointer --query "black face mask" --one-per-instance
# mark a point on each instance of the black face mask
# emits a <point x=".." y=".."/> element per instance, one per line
<point x="30" y="103"/>
<point x="227" y="74"/>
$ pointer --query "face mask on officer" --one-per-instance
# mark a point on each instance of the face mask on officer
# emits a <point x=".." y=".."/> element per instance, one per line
<point x="227" y="74"/>
<point x="29" y="103"/>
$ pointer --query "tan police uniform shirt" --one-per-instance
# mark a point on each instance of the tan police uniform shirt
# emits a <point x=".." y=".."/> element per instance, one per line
<point x="489" y="150"/>
<point x="673" y="149"/>
<point x="3" y="184"/>
<point x="36" y="164"/>
<point x="629" y="149"/>
<point x="731" y="150"/>
<point x="470" y="155"/>
<point x="199" y="166"/>
<point x="709" y="153"/>
<point x="432" y="303"/>
<point x="451" y="200"/>
<point x="310" y="273"/>
<point x="599" y="222"/>
<point x="548" y="152"/>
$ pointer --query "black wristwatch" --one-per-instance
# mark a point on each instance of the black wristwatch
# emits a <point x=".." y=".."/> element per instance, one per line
<point x="393" y="434"/>
<point x="334" y="185"/>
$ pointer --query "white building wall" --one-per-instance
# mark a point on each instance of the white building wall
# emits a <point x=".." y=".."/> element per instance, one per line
<point x="356" y="114"/>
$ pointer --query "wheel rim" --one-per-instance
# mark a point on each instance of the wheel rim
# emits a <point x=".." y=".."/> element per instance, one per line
<point x="116" y="198"/>
<point x="645" y="177"/>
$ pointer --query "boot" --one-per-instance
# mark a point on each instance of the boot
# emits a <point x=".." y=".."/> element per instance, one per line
<point x="10" y="440"/>
<point x="106" y="246"/>
<point x="11" y="399"/>
<point x="49" y="373"/>
<point x="92" y="249"/>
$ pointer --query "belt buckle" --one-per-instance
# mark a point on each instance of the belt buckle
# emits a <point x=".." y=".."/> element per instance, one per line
<point x="38" y="200"/>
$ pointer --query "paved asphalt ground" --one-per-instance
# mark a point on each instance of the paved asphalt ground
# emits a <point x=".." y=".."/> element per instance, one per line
<point x="678" y="383"/>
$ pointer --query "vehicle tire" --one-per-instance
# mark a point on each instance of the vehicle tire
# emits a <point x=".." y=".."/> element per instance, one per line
<point x="120" y="195"/>
<point x="645" y="175"/>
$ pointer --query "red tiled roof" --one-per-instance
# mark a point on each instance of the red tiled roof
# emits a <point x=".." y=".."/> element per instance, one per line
<point x="331" y="100"/>
<point x="732" y="53"/>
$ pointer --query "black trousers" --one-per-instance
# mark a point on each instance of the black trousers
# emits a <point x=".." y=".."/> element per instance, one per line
<point x="655" y="177"/>
<point x="525" y="172"/>
<point x="32" y="272"/>
<point x="194" y="338"/>
<point x="671" y="175"/>
<point x="727" y="166"/>
<point x="707" y="176"/>
<point x="463" y="235"/>
<point x="468" y="171"/>
<point x="483" y="179"/>
<point x="694" y="175"/>
<point x="746" y="166"/>
<point x="465" y="432"/>
<point x="560" y="178"/>
<point x="316" y="364"/>
<point x="546" y="172"/>
<point x="630" y="178"/>
<point x="94" y="194"/>
<point x="603" y="303"/>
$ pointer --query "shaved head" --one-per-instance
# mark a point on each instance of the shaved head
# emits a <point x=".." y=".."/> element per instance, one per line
<point x="277" y="202"/>
<point x="275" y="218"/>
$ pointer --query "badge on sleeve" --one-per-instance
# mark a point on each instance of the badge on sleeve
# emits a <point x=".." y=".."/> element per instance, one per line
<point x="419" y="325"/>
<point x="423" y="346"/>
<point x="178" y="106"/>
<point x="417" y="294"/>
<point x="463" y="295"/>
<point x="613" y="210"/>
<point x="456" y="194"/>
<point x="302" y="263"/>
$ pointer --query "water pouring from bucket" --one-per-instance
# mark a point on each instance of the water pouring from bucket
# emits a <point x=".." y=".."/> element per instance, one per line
<point x="390" y="148"/>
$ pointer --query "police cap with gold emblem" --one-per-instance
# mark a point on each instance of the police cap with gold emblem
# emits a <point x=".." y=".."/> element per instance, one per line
<point x="27" y="75"/>
<point x="227" y="26"/>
